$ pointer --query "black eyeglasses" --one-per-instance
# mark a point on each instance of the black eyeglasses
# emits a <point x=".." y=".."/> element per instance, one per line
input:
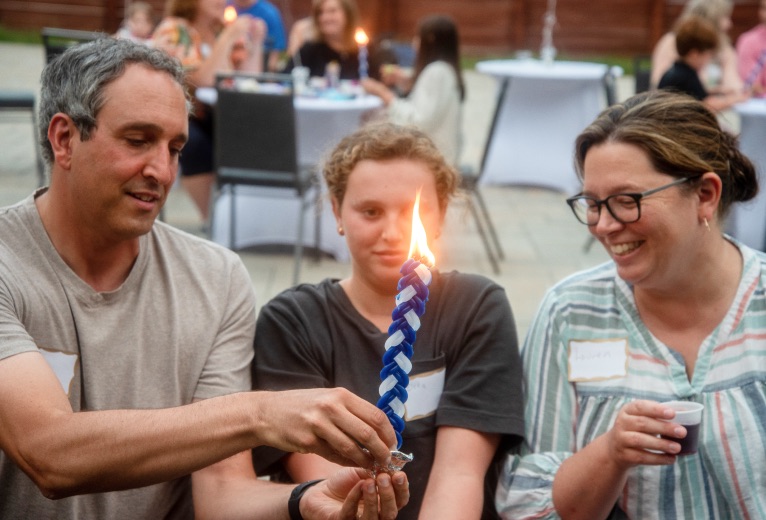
<point x="624" y="207"/>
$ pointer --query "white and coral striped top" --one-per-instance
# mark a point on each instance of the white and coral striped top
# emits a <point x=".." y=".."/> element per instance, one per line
<point x="724" y="480"/>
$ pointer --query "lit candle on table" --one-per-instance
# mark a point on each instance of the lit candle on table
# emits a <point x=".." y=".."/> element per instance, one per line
<point x="229" y="15"/>
<point x="410" y="306"/>
<point x="362" y="40"/>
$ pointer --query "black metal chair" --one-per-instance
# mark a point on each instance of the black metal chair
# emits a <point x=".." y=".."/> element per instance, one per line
<point x="610" y="84"/>
<point x="470" y="178"/>
<point x="256" y="145"/>
<point x="642" y="72"/>
<point x="56" y="41"/>
<point x="24" y="101"/>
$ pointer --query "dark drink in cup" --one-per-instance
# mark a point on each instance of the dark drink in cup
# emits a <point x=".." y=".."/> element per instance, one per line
<point x="688" y="415"/>
<point x="690" y="442"/>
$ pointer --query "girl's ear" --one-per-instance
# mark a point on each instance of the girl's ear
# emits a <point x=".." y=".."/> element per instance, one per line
<point x="336" y="210"/>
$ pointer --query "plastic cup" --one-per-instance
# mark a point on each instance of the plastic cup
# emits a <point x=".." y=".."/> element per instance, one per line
<point x="300" y="79"/>
<point x="688" y="415"/>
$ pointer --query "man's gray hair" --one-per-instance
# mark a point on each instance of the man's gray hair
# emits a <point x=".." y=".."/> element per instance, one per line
<point x="74" y="82"/>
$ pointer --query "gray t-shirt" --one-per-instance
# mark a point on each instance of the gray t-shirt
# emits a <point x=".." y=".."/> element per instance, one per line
<point x="466" y="370"/>
<point x="179" y="328"/>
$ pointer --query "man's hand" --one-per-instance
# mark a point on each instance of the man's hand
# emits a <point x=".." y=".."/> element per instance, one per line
<point x="350" y="494"/>
<point x="330" y="422"/>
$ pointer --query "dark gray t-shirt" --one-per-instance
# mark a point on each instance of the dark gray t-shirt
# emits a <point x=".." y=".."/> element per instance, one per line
<point x="312" y="336"/>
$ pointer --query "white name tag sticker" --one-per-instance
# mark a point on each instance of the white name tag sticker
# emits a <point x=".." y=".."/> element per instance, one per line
<point x="63" y="366"/>
<point x="424" y="392"/>
<point x="598" y="359"/>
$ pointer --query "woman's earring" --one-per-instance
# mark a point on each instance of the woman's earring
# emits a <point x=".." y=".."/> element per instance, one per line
<point x="340" y="231"/>
<point x="706" y="224"/>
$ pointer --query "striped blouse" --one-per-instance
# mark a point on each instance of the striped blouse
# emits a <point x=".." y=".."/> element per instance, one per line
<point x="725" y="479"/>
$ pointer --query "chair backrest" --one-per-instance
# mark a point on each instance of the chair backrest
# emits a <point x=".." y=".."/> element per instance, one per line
<point x="502" y="89"/>
<point x="57" y="40"/>
<point x="255" y="133"/>
<point x="610" y="83"/>
<point x="642" y="71"/>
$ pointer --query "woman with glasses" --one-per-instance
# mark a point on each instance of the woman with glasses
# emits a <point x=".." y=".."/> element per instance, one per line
<point x="679" y="313"/>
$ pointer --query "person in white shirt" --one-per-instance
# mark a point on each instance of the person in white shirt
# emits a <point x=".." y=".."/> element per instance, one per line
<point x="434" y="101"/>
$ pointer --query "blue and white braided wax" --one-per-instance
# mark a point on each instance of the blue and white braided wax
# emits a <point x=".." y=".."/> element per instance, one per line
<point x="410" y="306"/>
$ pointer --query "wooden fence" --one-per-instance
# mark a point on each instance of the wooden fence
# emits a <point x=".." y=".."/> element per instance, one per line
<point x="584" y="27"/>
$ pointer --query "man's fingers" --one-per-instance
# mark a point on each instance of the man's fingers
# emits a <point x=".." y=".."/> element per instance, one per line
<point x="370" y="500"/>
<point x="377" y="434"/>
<point x="351" y="503"/>
<point x="363" y="460"/>
<point x="386" y="496"/>
<point x="358" y="424"/>
<point x="401" y="489"/>
<point x="333" y="423"/>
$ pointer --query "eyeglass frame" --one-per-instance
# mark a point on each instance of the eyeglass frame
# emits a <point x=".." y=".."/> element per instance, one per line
<point x="637" y="197"/>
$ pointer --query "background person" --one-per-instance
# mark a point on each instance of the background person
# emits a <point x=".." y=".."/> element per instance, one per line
<point x="332" y="334"/>
<point x="301" y="31"/>
<point x="434" y="103"/>
<point x="275" y="41"/>
<point x="722" y="74"/>
<point x="751" y="54"/>
<point x="138" y="24"/>
<point x="117" y="397"/>
<point x="678" y="306"/>
<point x="193" y="31"/>
<point x="696" y="41"/>
<point x="335" y="23"/>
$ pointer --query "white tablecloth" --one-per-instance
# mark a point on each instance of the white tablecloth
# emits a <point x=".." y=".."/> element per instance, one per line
<point x="748" y="220"/>
<point x="546" y="106"/>
<point x="267" y="216"/>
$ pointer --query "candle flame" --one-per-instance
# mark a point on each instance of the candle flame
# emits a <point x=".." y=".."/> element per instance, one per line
<point x="361" y="37"/>
<point x="419" y="242"/>
<point x="229" y="14"/>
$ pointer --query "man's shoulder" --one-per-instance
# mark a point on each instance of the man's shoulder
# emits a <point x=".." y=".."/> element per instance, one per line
<point x="194" y="249"/>
<point x="265" y="6"/>
<point x="757" y="33"/>
<point x="264" y="10"/>
<point x="14" y="217"/>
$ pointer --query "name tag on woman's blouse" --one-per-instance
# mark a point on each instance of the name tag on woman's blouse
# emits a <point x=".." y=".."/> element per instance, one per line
<point x="598" y="359"/>
<point x="424" y="392"/>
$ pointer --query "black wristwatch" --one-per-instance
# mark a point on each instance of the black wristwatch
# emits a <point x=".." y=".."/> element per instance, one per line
<point x="294" y="503"/>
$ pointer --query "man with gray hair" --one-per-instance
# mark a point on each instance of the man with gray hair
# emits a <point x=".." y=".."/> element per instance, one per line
<point x="125" y="344"/>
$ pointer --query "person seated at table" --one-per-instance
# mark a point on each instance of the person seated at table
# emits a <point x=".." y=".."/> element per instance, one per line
<point x="334" y="24"/>
<point x="193" y="32"/>
<point x="677" y="314"/>
<point x="126" y="344"/>
<point x="751" y="53"/>
<point x="138" y="24"/>
<point x="275" y="41"/>
<point x="722" y="72"/>
<point x="434" y="101"/>
<point x="696" y="41"/>
<point x="465" y="380"/>
<point x="301" y="31"/>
